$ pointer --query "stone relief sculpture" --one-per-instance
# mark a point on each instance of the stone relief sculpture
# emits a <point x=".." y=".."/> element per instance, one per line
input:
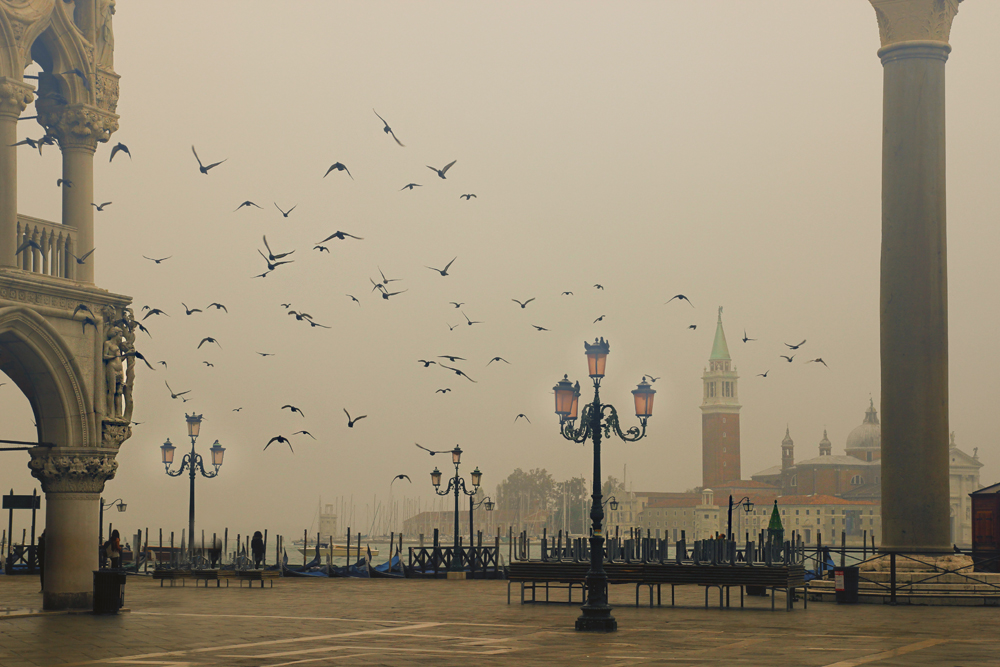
<point x="114" y="373"/>
<point x="105" y="35"/>
<point x="128" y="351"/>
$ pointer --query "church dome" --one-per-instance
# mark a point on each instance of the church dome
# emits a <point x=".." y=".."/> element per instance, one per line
<point x="868" y="435"/>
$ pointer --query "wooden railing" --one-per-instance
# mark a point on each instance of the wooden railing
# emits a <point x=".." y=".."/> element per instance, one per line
<point x="57" y="242"/>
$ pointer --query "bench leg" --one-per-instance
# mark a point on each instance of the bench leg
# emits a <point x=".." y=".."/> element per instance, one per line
<point x="741" y="597"/>
<point x="508" y="591"/>
<point x="672" y="595"/>
<point x="773" y="590"/>
<point x="789" y="593"/>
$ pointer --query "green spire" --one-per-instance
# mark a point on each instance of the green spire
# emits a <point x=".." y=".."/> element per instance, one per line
<point x="719" y="348"/>
<point x="775" y="523"/>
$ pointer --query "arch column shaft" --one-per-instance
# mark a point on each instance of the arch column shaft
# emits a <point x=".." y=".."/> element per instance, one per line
<point x="14" y="97"/>
<point x="70" y="549"/>
<point x="78" y="168"/>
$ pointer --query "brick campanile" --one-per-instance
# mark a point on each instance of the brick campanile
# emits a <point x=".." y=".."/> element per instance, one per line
<point x="720" y="416"/>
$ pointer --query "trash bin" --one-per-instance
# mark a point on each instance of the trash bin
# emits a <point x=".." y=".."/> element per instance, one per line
<point x="109" y="591"/>
<point x="846" y="584"/>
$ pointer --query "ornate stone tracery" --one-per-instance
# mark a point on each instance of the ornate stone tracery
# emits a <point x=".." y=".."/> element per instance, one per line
<point x="72" y="470"/>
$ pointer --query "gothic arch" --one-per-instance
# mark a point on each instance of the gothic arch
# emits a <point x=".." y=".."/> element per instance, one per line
<point x="60" y="49"/>
<point x="36" y="358"/>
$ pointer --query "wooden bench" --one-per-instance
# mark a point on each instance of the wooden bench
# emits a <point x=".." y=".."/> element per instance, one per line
<point x="218" y="576"/>
<point x="251" y="576"/>
<point x="529" y="574"/>
<point x="171" y="576"/>
<point x="777" y="577"/>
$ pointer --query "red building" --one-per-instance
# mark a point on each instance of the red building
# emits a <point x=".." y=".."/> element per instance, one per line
<point x="720" y="416"/>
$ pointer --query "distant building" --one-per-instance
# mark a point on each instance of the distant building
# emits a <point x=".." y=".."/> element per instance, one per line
<point x="720" y="416"/>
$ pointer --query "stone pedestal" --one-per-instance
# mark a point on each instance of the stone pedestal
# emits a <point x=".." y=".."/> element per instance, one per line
<point x="914" y="286"/>
<point x="72" y="479"/>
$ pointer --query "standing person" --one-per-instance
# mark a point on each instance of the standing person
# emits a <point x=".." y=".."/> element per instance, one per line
<point x="257" y="548"/>
<point x="114" y="550"/>
<point x="40" y="558"/>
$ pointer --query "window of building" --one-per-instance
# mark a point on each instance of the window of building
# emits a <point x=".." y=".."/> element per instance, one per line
<point x="794" y="481"/>
<point x="857" y="480"/>
<point x="869" y="456"/>
<point x="723" y="420"/>
<point x="796" y="512"/>
<point x="807" y="512"/>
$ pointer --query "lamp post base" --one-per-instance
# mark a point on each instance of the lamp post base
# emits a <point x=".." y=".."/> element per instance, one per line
<point x="456" y="575"/>
<point x="596" y="619"/>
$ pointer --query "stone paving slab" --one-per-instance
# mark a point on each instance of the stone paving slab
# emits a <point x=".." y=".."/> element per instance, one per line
<point x="420" y="622"/>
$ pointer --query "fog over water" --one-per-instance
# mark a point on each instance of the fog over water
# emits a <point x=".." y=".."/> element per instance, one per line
<point x="728" y="151"/>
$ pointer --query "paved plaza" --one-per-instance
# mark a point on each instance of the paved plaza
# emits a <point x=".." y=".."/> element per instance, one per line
<point x="413" y="622"/>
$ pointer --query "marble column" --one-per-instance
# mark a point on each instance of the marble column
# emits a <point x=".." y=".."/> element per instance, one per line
<point x="914" y="278"/>
<point x="14" y="97"/>
<point x="72" y="479"/>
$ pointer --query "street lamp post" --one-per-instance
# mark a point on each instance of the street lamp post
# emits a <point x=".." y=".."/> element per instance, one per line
<point x="456" y="485"/>
<point x="192" y="462"/>
<point x="486" y="502"/>
<point x="596" y="419"/>
<point x="747" y="507"/>
<point x="117" y="502"/>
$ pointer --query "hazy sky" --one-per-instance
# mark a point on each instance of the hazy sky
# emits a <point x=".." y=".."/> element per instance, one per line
<point x="728" y="151"/>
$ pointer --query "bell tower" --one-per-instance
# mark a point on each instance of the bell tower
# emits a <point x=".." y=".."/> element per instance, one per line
<point x="720" y="418"/>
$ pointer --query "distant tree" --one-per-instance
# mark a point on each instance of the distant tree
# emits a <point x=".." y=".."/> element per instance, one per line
<point x="572" y="500"/>
<point x="523" y="494"/>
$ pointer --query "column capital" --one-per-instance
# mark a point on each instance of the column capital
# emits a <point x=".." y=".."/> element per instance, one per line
<point x="914" y="20"/>
<point x="14" y="97"/>
<point x="76" y="125"/>
<point x="72" y="469"/>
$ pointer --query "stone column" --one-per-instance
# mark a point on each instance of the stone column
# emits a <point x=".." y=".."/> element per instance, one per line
<point x="14" y="97"/>
<point x="914" y="285"/>
<point x="79" y="128"/>
<point x="72" y="479"/>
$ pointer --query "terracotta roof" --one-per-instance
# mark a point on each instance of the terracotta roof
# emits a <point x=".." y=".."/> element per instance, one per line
<point x="820" y="500"/>
<point x="690" y="501"/>
<point x="745" y="484"/>
<point x="768" y="472"/>
<point x="836" y="460"/>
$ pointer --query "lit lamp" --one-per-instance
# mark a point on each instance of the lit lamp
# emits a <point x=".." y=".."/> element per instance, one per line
<point x="217" y="451"/>
<point x="597" y="357"/>
<point x="456" y="455"/>
<point x="489" y="504"/>
<point x="121" y="506"/>
<point x="168" y="453"/>
<point x="194" y="425"/>
<point x="436" y="477"/>
<point x="613" y="504"/>
<point x="566" y="399"/>
<point x="476" y="477"/>
<point x="643" y="395"/>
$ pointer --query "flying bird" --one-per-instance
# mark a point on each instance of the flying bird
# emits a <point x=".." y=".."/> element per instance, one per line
<point x="788" y="359"/>
<point x="210" y="365"/>
<point x="340" y="236"/>
<point x="764" y="374"/>
<point x="339" y="166"/>
<point x="272" y="265"/>
<point x="567" y="294"/>
<point x="351" y="422"/>
<point x="386" y="295"/>
<point x="599" y="286"/>
<point x="451" y="328"/>
<point x="443" y="271"/>
<point x="795" y="347"/>
<point x="817" y="360"/>
<point x="162" y="259"/>
<point x="443" y="391"/>
<point x="188" y="311"/>
<point x="100" y="207"/>
<point x="450" y="358"/>
<point x="266" y="354"/>
<point x="354" y="299"/>
<point x="279" y="438"/>
<point x="456" y="304"/>
<point x="471" y="322"/>
<point x="745" y="339"/>
<point x="538" y="328"/>
<point x="388" y="130"/>
<point x="385" y="280"/>
<point x="208" y="339"/>
<point x="86" y="321"/>
<point x="431" y="451"/>
<point x="64" y="181"/>
<point x="522" y="415"/>
<point x="154" y="311"/>
<point x="202" y="168"/>
<point x="284" y="213"/>
<point x="442" y="172"/>
<point x="467" y="197"/>
<point x="172" y="394"/>
<point x="458" y="372"/>
<point x="83" y="77"/>
<point x="270" y="254"/>
<point x="293" y="409"/>
<point x="119" y="147"/>
<point x="237" y="409"/>
<point x="321" y="248"/>
<point x="83" y="258"/>
<point x="246" y="203"/>
<point x="217" y="306"/>
<point x="425" y="362"/>
<point x="317" y="324"/>
<point x="650" y="377"/>
<point x="680" y="297"/>
<point x="692" y="326"/>
<point x="261" y="275"/>
<point x="599" y="319"/>
<point x="497" y="359"/>
<point x="406" y="477"/>
<point x="84" y="308"/>
<point x="410" y="186"/>
<point x="523" y="303"/>
<point x="162" y="363"/>
<point x="305" y="433"/>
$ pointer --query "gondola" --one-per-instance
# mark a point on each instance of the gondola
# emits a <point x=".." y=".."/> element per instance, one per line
<point x="391" y="569"/>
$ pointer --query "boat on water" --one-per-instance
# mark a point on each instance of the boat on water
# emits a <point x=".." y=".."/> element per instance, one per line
<point x="326" y="550"/>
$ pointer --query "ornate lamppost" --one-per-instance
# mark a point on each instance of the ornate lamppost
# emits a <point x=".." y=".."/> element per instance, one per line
<point x="192" y="462"/>
<point x="456" y="485"/>
<point x="598" y="418"/>
<point x="486" y="502"/>
<point x="120" y="504"/>
<point x="747" y="507"/>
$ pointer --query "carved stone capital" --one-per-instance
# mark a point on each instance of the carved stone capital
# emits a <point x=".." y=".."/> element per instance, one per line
<point x="914" y="20"/>
<point x="114" y="432"/>
<point x="77" y="125"/>
<point x="72" y="469"/>
<point x="106" y="90"/>
<point x="14" y="97"/>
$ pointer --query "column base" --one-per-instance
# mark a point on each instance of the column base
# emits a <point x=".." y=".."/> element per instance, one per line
<point x="596" y="619"/>
<point x="67" y="601"/>
<point x="456" y="575"/>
